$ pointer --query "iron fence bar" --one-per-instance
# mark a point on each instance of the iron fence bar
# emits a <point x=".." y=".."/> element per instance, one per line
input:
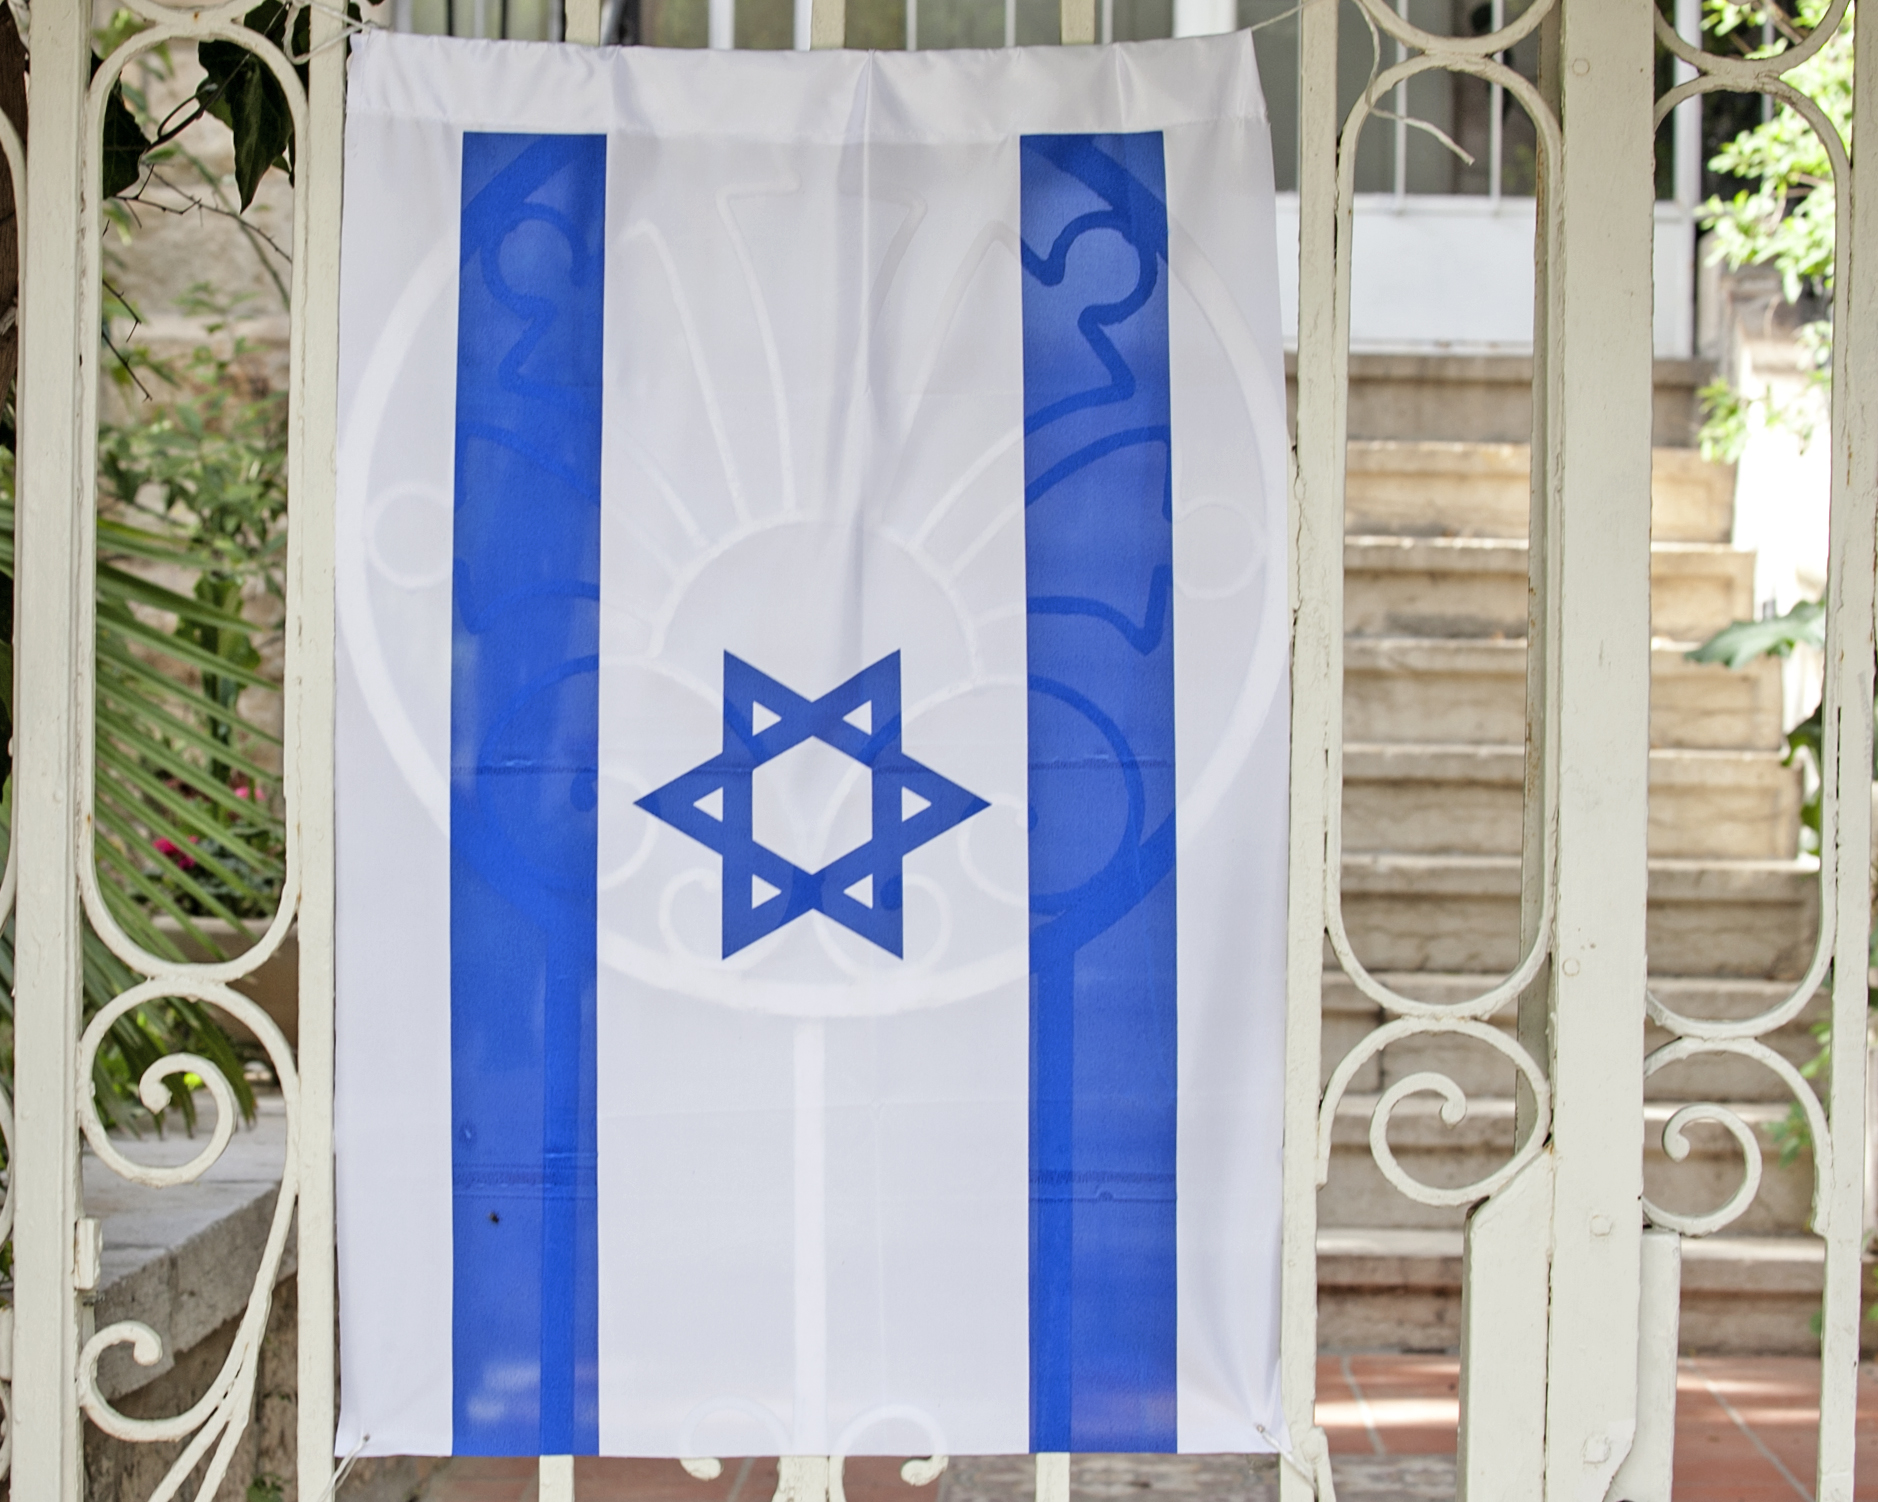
<point x="1496" y="109"/>
<point x="1601" y="452"/>
<point x="322" y="162"/>
<point x="1589" y="561"/>
<point x="1316" y="540"/>
<point x="1686" y="137"/>
<point x="1839" y="1209"/>
<point x="1839" y="1134"/>
<point x="1539" y="804"/>
<point x="46" y="1427"/>
<point x="555" y="1473"/>
<point x="14" y="151"/>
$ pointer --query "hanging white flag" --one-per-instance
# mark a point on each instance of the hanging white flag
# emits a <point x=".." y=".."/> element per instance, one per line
<point x="812" y="751"/>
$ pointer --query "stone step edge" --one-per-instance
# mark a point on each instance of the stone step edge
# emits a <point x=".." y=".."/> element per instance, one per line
<point x="1405" y="552"/>
<point x="1388" y="1258"/>
<point x="1684" y="993"/>
<point x="1505" y="763"/>
<point x="1481" y="456"/>
<point x="1505" y="655"/>
<point x="1671" y="878"/>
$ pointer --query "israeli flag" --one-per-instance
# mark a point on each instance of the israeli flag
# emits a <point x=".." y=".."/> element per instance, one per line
<point x="812" y="745"/>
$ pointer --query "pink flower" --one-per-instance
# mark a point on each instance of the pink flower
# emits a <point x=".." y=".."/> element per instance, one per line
<point x="175" y="852"/>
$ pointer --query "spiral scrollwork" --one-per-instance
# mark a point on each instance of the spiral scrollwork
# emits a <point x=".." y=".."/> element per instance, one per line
<point x="1692" y="1037"/>
<point x="213" y="1425"/>
<point x="1676" y="1142"/>
<point x="920" y="1471"/>
<point x="1453" y="1106"/>
<point x="1476" y="56"/>
<point x="917" y="1472"/>
<point x="155" y="1092"/>
<point x="218" y="1418"/>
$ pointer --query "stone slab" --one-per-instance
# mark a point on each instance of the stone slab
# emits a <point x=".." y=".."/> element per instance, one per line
<point x="1484" y="397"/>
<point x="183" y="1260"/>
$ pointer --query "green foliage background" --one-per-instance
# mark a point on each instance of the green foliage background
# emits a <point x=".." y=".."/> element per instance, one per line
<point x="1787" y="214"/>
<point x="189" y="591"/>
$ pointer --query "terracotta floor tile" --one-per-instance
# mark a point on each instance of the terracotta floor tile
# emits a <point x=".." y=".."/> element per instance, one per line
<point x="1745" y="1432"/>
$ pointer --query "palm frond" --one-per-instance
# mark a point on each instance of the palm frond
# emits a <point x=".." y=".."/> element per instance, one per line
<point x="190" y="844"/>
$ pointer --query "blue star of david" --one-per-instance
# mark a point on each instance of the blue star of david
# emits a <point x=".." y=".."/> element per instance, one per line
<point x="861" y="890"/>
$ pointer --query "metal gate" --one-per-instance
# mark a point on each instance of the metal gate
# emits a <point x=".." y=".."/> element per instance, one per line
<point x="1571" y="1275"/>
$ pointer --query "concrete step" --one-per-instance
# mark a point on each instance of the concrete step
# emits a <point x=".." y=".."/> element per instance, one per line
<point x="1484" y="398"/>
<point x="1743" y="919"/>
<point x="1391" y="1289"/>
<point x="1417" y="690"/>
<point x="1477" y="587"/>
<point x="1432" y="1152"/>
<point x="1441" y="489"/>
<point x="1349" y="1016"/>
<point x="1468" y="799"/>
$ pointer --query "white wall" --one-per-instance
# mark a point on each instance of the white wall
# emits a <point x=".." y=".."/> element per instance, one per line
<point x="1454" y="274"/>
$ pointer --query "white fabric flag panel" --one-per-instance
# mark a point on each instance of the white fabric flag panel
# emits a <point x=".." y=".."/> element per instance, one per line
<point x="812" y="751"/>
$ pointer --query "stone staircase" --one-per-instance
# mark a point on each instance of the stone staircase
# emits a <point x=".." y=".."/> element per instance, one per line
<point x="1434" y="696"/>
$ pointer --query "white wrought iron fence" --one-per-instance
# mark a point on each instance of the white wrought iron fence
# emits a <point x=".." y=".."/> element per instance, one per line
<point x="1571" y="1274"/>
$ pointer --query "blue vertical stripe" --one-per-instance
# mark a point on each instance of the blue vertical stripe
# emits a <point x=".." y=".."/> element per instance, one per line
<point x="1098" y="539"/>
<point x="524" y="735"/>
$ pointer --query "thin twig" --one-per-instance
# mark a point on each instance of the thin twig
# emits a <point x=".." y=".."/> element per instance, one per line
<point x="256" y="236"/>
<point x="136" y="322"/>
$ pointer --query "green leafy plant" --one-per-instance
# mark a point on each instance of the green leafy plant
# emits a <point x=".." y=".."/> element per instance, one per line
<point x="1776" y="636"/>
<point x="237" y="88"/>
<point x="188" y="798"/>
<point x="197" y="489"/>
<point x="1726" y="421"/>
<point x="1743" y="642"/>
<point x="266" y="1488"/>
<point x="192" y="501"/>
<point x="1736" y="646"/>
<point x="1787" y="216"/>
<point x="188" y="823"/>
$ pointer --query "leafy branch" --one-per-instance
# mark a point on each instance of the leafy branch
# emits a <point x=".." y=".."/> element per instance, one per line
<point x="1736" y="646"/>
<point x="238" y="89"/>
<point x="1788" y="216"/>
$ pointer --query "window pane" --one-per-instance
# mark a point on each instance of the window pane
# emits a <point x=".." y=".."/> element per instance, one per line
<point x="879" y="24"/>
<point x="766" y="23"/>
<point x="961" y="23"/>
<point x="1143" y="20"/>
<point x="675" y="23"/>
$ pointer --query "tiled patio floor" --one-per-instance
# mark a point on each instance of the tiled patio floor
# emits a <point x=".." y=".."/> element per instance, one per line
<point x="1744" y="1433"/>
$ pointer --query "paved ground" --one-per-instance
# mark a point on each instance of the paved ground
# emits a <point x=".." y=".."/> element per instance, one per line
<point x="1744" y="1433"/>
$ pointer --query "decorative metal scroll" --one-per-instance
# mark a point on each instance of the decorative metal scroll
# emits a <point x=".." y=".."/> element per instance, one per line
<point x="1470" y="1019"/>
<point x="211" y="1428"/>
<point x="1839" y="949"/>
<point x="1694" y="1036"/>
<point x="15" y="154"/>
<point x="213" y="1425"/>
